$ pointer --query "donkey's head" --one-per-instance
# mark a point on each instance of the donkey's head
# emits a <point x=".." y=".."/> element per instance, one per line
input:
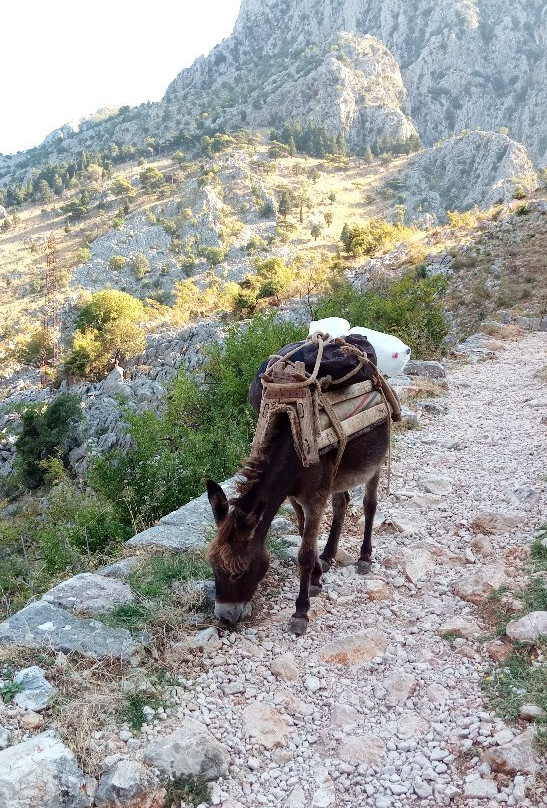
<point x="238" y="562"/>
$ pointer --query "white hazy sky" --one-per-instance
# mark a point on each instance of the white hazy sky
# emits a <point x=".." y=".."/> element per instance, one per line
<point x="63" y="59"/>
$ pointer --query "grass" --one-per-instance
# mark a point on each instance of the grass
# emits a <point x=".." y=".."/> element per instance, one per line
<point x="132" y="710"/>
<point x="164" y="595"/>
<point x="187" y="790"/>
<point x="522" y="678"/>
<point x="8" y="690"/>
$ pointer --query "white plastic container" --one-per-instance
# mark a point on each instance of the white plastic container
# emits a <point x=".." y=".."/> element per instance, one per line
<point x="335" y="326"/>
<point x="391" y="353"/>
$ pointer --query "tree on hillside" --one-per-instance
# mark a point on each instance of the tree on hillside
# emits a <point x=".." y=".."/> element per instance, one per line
<point x="151" y="179"/>
<point x="108" y="325"/>
<point x="122" y="187"/>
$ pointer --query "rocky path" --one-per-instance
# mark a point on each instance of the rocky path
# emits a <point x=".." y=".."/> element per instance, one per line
<point x="374" y="706"/>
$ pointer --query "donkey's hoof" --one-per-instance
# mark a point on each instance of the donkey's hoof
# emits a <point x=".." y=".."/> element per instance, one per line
<point x="363" y="567"/>
<point x="298" y="625"/>
<point x="325" y="565"/>
<point x="315" y="589"/>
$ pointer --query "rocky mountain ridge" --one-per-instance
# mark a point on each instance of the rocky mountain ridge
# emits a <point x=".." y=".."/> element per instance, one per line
<point x="361" y="68"/>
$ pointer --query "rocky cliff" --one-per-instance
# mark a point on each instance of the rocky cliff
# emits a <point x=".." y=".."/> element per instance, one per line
<point x="464" y="63"/>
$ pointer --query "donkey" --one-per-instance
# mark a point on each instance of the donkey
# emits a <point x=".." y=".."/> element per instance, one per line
<point x="238" y="553"/>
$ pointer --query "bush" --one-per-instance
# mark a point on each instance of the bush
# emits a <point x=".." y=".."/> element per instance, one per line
<point x="151" y="179"/>
<point x="106" y="326"/>
<point x="44" y="432"/>
<point x="140" y="266"/>
<point x="31" y="352"/>
<point x="275" y="277"/>
<point x="205" y="431"/>
<point x="410" y="308"/>
<point x="117" y="262"/>
<point x="365" y="239"/>
<point x="213" y="255"/>
<point x="65" y="533"/>
<point x="82" y="255"/>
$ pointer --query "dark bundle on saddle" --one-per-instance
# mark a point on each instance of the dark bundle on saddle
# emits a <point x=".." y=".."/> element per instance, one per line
<point x="336" y="363"/>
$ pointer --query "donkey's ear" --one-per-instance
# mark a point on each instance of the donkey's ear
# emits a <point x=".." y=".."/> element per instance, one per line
<point x="218" y="501"/>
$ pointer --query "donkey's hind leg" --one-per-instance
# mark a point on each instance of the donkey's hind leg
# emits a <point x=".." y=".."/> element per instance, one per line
<point x="370" y="501"/>
<point x="339" y="507"/>
<point x="299" y="511"/>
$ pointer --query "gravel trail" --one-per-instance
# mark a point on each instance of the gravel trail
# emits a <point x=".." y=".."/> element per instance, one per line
<point x="374" y="706"/>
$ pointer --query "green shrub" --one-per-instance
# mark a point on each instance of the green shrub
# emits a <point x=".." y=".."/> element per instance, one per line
<point x="205" y="432"/>
<point x="140" y="266"/>
<point x="117" y="262"/>
<point x="151" y="179"/>
<point x="275" y="277"/>
<point x="82" y="255"/>
<point x="213" y="255"/>
<point x="365" y="239"/>
<point x="106" y="326"/>
<point x="410" y="308"/>
<point x="44" y="432"/>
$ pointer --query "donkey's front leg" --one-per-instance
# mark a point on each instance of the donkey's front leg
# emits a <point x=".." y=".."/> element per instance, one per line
<point x="310" y="570"/>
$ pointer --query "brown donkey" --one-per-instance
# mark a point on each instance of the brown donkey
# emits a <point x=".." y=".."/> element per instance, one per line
<point x="238" y="554"/>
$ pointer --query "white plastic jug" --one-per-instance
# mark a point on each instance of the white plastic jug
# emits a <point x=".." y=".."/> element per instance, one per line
<point x="391" y="353"/>
<point x="335" y="326"/>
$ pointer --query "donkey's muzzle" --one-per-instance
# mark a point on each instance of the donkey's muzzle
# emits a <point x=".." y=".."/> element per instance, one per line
<point x="232" y="612"/>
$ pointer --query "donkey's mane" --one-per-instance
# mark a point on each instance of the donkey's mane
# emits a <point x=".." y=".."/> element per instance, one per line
<point x="229" y="548"/>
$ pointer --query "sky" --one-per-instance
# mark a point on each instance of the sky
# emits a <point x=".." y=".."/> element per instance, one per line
<point x="63" y="59"/>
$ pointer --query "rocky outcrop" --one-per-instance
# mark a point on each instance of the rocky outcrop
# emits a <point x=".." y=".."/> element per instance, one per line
<point x="350" y="85"/>
<point x="476" y="168"/>
<point x="41" y="773"/>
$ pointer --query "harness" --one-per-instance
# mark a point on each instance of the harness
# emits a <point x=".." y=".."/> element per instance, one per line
<point x="321" y="420"/>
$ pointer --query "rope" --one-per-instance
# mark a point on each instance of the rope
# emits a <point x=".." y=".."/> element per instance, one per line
<point x="301" y="394"/>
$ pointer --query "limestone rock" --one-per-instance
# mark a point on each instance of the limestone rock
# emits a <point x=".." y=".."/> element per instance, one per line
<point x="424" y="501"/>
<point x="355" y="749"/>
<point x="399" y="687"/>
<point x="344" y="716"/>
<point x="286" y="667"/>
<point x="531" y="711"/>
<point x="129" y="784"/>
<point x="31" y="721"/>
<point x="190" y="751"/>
<point x="499" y="651"/>
<point x="529" y="628"/>
<point x="474" y="168"/>
<point x="41" y="625"/>
<point x="41" y="773"/>
<point x="377" y="589"/>
<point x="476" y="587"/>
<point x="494" y="523"/>
<point x="36" y="691"/>
<point x="121" y="569"/>
<point x="297" y="798"/>
<point x="458" y="627"/>
<point x="4" y="738"/>
<point x="429" y="370"/>
<point x="89" y="593"/>
<point x="480" y="789"/>
<point x="415" y="562"/>
<point x="263" y="724"/>
<point x="517" y="755"/>
<point x="435" y="484"/>
<point x="355" y="649"/>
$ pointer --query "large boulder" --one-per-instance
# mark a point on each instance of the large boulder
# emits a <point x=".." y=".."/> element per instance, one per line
<point x="41" y="773"/>
<point x="190" y="751"/>
<point x="514" y="756"/>
<point x="528" y="628"/>
<point x="89" y="593"/>
<point x="129" y="784"/>
<point x="41" y="625"/>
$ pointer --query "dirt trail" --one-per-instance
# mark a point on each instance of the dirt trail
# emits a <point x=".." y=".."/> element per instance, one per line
<point x="394" y="715"/>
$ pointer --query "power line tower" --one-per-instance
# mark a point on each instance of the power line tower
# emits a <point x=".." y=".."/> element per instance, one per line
<point x="50" y="349"/>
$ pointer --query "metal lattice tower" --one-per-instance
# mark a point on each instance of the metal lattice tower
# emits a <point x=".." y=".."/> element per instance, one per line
<point x="50" y="350"/>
